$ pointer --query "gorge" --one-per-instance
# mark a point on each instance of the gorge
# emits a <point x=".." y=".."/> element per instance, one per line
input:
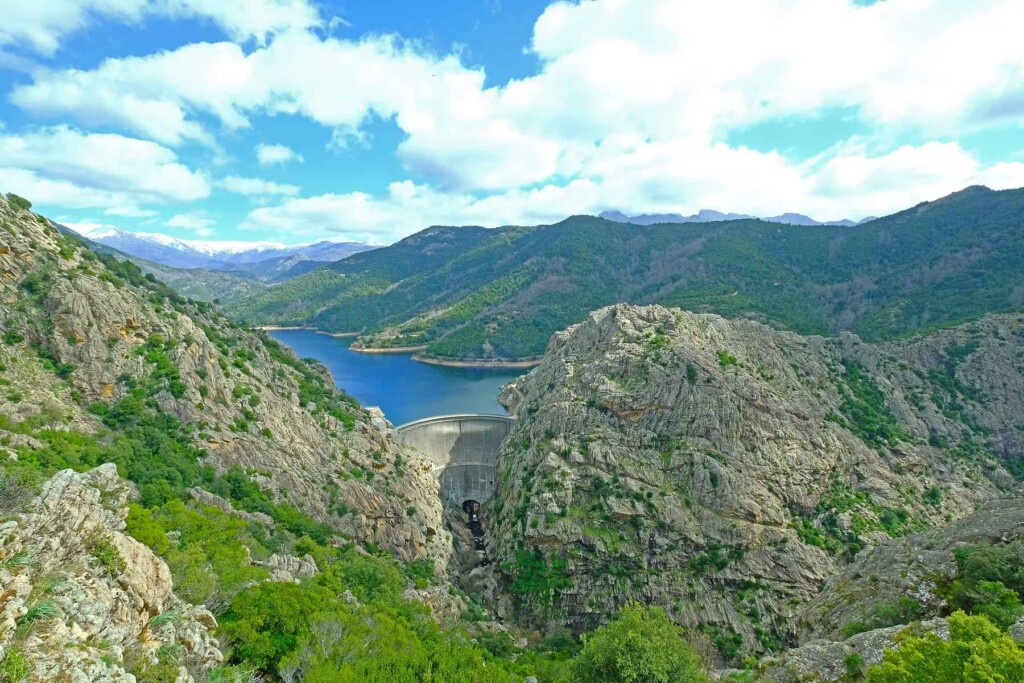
<point x="747" y="482"/>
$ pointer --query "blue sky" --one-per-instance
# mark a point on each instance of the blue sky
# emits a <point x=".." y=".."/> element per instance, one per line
<point x="296" y="120"/>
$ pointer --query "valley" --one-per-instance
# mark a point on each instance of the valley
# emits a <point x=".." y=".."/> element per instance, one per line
<point x="559" y="341"/>
<point x="482" y="295"/>
<point x="767" y="496"/>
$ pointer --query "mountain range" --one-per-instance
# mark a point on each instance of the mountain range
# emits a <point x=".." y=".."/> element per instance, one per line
<point x="214" y="254"/>
<point x="498" y="294"/>
<point x="186" y="500"/>
<point x="710" y="215"/>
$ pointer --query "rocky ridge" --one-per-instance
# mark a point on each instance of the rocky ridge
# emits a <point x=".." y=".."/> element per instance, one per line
<point x="920" y="567"/>
<point x="727" y="471"/>
<point x="81" y="598"/>
<point x="79" y="329"/>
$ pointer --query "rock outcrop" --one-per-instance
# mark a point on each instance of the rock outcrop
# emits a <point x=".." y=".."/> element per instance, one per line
<point x="726" y="470"/>
<point x="79" y="329"/>
<point x="918" y="566"/>
<point x="81" y="600"/>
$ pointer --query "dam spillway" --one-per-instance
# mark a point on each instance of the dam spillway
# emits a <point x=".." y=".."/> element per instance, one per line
<point x="464" y="450"/>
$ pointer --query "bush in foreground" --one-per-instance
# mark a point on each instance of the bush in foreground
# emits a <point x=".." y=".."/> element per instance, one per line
<point x="977" y="652"/>
<point x="640" y="646"/>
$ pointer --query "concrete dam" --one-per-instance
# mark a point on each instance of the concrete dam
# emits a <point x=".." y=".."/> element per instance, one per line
<point x="464" y="450"/>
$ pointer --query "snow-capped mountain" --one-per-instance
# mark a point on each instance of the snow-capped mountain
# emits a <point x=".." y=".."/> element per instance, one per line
<point x="709" y="215"/>
<point x="214" y="254"/>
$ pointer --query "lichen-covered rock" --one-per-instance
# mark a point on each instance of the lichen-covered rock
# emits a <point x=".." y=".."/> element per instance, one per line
<point x="916" y="566"/>
<point x="290" y="568"/>
<point x="78" y="596"/>
<point x="829" y="661"/>
<point x="726" y="470"/>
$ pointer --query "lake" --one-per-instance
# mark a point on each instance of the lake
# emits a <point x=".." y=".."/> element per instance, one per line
<point x="403" y="388"/>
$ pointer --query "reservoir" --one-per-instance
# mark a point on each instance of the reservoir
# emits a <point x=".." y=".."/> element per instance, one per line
<point x="403" y="388"/>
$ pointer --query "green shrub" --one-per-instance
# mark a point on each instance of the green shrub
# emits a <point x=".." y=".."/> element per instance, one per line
<point x="18" y="202"/>
<point x="977" y="650"/>
<point x="903" y="610"/>
<point x="106" y="554"/>
<point x="854" y="665"/>
<point x="863" y="405"/>
<point x="14" y="668"/>
<point x="691" y="373"/>
<point x="640" y="645"/>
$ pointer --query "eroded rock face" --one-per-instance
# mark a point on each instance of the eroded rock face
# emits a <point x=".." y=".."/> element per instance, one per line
<point x="244" y="398"/>
<point x="79" y="596"/>
<point x="917" y="566"/>
<point x="726" y="470"/>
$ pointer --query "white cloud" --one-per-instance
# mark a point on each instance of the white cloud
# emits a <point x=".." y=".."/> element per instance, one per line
<point x="851" y="185"/>
<point x="272" y="155"/>
<point x="196" y="222"/>
<point x="630" y="108"/>
<point x="46" y="191"/>
<point x="41" y="24"/>
<point x="256" y="186"/>
<point x="130" y="211"/>
<point x="104" y="163"/>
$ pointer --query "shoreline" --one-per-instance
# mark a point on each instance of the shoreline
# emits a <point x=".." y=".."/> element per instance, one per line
<point x="391" y="349"/>
<point x="481" y="363"/>
<point x="285" y="328"/>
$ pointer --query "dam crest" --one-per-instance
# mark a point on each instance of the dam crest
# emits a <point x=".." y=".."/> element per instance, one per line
<point x="464" y="450"/>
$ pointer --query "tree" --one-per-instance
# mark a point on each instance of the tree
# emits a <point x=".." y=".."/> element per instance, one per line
<point x="18" y="202"/>
<point x="977" y="652"/>
<point x="640" y="646"/>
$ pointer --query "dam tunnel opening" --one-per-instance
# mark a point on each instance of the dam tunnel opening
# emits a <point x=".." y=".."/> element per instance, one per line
<point x="472" y="510"/>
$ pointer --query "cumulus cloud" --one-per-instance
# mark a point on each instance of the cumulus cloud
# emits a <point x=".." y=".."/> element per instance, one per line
<point x="854" y="184"/>
<point x="196" y="222"/>
<point x="631" y="107"/>
<point x="41" y="24"/>
<point x="273" y="155"/>
<point x="256" y="186"/>
<point x="100" y="165"/>
<point x="43" y="191"/>
<point x="130" y="211"/>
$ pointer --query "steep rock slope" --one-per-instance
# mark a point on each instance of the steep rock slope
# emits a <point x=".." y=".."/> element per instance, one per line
<point x="918" y="572"/>
<point x="726" y="470"/>
<point x="921" y="566"/>
<point x="81" y="600"/>
<point x="87" y="337"/>
<point x="472" y="293"/>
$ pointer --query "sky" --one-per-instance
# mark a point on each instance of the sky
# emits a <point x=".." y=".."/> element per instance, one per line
<point x="297" y="120"/>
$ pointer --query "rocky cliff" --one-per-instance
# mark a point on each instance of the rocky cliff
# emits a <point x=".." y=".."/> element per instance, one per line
<point x="727" y="471"/>
<point x="899" y="585"/>
<point x="81" y="330"/>
<point x="81" y="600"/>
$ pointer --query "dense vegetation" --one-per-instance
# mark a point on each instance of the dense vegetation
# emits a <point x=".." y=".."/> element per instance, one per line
<point x="470" y="293"/>
<point x="989" y="582"/>
<point x="976" y="651"/>
<point x="639" y="646"/>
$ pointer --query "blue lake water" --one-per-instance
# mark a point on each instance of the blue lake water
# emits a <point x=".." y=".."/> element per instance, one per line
<point x="403" y="388"/>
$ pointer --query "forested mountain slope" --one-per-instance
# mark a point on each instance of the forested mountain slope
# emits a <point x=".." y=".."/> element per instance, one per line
<point x="499" y="294"/>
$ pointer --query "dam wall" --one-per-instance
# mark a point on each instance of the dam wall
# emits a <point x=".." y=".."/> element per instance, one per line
<point x="464" y="450"/>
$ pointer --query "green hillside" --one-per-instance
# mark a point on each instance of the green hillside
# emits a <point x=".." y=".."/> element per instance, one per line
<point x="501" y="293"/>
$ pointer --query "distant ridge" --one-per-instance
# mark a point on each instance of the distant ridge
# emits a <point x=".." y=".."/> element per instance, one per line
<point x="475" y="294"/>
<point x="710" y="216"/>
<point x="213" y="254"/>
